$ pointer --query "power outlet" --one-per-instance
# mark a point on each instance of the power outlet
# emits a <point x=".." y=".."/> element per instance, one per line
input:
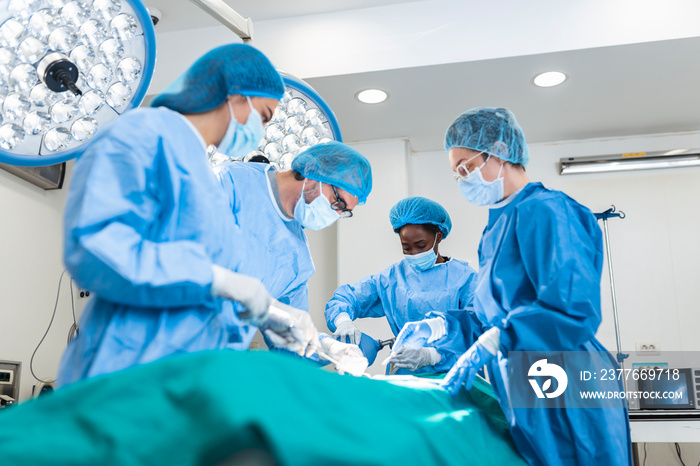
<point x="82" y="294"/>
<point x="648" y="348"/>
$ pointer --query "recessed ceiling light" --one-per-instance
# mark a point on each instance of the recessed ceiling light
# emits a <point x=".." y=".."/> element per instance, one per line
<point x="371" y="96"/>
<point x="549" y="79"/>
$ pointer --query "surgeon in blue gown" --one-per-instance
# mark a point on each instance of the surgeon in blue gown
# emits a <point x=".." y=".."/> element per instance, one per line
<point x="272" y="208"/>
<point x="409" y="290"/>
<point x="540" y="264"/>
<point x="149" y="232"/>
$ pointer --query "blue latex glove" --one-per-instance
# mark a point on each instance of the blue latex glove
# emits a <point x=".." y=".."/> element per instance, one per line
<point x="465" y="369"/>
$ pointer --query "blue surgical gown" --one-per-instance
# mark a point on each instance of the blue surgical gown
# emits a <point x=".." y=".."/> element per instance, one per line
<point x="541" y="258"/>
<point x="403" y="294"/>
<point x="276" y="248"/>
<point x="145" y="220"/>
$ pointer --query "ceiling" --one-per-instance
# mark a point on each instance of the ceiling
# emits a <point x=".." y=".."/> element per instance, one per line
<point x="181" y="15"/>
<point x="612" y="91"/>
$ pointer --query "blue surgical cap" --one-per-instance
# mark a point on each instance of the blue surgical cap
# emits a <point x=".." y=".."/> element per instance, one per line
<point x="491" y="130"/>
<point x="226" y="70"/>
<point x="419" y="211"/>
<point x="337" y="164"/>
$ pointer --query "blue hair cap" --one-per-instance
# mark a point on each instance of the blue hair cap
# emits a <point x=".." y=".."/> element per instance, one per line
<point x="419" y="211"/>
<point x="336" y="164"/>
<point x="494" y="131"/>
<point x="227" y="70"/>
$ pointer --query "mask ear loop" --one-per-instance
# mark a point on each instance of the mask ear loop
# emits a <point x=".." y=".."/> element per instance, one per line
<point x="302" y="194"/>
<point x="230" y="111"/>
<point x="250" y="106"/>
<point x="252" y="110"/>
<point x="500" y="169"/>
<point x="320" y="191"/>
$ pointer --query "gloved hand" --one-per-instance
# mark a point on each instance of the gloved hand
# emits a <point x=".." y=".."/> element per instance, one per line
<point x="465" y="369"/>
<point x="290" y="328"/>
<point x="412" y="359"/>
<point x="418" y="334"/>
<point x="346" y="357"/>
<point x="247" y="290"/>
<point x="345" y="328"/>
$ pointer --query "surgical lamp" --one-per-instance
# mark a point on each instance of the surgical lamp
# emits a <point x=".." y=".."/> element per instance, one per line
<point x="67" y="68"/>
<point x="302" y="119"/>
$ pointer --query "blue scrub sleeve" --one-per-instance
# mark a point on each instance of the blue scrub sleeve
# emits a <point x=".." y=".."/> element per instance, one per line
<point x="561" y="248"/>
<point x="112" y="206"/>
<point x="452" y="345"/>
<point x="466" y="292"/>
<point x="463" y="321"/>
<point x="298" y="297"/>
<point x="358" y="300"/>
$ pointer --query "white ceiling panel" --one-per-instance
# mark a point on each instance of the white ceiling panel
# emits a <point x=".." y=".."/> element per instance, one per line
<point x="633" y="65"/>
<point x="180" y="15"/>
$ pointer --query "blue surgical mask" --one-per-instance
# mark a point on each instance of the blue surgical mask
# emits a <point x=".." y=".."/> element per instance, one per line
<point x="478" y="191"/>
<point x="316" y="215"/>
<point x="239" y="139"/>
<point x="423" y="260"/>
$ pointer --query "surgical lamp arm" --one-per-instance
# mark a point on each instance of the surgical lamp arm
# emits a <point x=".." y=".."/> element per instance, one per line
<point x="219" y="10"/>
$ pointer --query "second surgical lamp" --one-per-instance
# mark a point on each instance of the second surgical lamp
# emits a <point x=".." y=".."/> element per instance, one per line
<point x="302" y="119"/>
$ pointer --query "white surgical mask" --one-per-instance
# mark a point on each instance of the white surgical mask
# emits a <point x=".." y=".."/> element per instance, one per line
<point x="241" y="139"/>
<point x="316" y="215"/>
<point x="480" y="192"/>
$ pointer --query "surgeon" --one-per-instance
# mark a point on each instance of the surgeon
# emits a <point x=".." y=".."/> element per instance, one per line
<point x="540" y="264"/>
<point x="271" y="210"/>
<point x="409" y="290"/>
<point x="149" y="232"/>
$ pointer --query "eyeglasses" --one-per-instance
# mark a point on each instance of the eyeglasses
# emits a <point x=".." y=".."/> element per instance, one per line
<point x="461" y="171"/>
<point x="340" y="205"/>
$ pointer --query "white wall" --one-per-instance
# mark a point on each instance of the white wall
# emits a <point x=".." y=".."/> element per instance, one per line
<point x="366" y="242"/>
<point x="31" y="262"/>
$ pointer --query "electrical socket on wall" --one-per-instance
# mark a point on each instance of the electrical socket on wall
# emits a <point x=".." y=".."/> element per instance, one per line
<point x="648" y="348"/>
<point x="82" y="294"/>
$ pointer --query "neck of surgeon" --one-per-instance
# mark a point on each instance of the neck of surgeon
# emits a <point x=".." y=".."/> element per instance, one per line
<point x="514" y="178"/>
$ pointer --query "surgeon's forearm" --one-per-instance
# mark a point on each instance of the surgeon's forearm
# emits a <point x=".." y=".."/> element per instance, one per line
<point x="136" y="272"/>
